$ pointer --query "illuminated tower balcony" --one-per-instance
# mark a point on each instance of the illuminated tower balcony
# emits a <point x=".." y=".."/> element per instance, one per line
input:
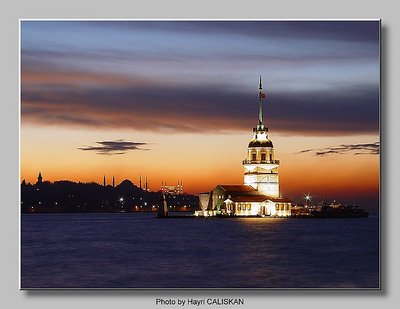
<point x="260" y="166"/>
<point x="274" y="162"/>
<point x="269" y="173"/>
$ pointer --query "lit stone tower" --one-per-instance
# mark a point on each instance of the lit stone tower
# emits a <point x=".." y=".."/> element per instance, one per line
<point x="260" y="167"/>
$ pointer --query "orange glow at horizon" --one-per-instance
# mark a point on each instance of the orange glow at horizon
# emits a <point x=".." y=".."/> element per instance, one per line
<point x="200" y="161"/>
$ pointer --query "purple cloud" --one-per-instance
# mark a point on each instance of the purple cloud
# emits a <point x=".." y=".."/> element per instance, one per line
<point x="116" y="147"/>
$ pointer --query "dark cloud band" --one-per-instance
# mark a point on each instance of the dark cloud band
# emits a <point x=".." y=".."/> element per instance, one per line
<point x="114" y="147"/>
<point x="356" y="149"/>
<point x="184" y="76"/>
<point x="348" y="109"/>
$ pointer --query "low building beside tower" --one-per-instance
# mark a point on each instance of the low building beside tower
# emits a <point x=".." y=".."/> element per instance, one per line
<point x="259" y="195"/>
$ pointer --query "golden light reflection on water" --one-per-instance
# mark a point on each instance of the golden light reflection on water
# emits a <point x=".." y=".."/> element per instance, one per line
<point x="255" y="225"/>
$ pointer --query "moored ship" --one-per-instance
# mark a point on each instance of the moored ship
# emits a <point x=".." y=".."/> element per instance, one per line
<point x="336" y="210"/>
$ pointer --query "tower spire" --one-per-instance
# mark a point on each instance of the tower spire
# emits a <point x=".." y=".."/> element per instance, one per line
<point x="39" y="179"/>
<point x="260" y="111"/>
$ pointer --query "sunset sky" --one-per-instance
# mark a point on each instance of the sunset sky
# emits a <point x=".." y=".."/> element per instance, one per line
<point x="177" y="100"/>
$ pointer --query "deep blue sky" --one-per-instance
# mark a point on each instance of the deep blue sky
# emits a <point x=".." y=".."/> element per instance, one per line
<point x="321" y="77"/>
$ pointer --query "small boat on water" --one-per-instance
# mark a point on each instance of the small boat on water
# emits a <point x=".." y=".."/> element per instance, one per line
<point x="336" y="210"/>
<point x="163" y="210"/>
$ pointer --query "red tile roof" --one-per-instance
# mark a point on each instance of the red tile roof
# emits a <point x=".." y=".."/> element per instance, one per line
<point x="243" y="193"/>
<point x="279" y="200"/>
<point x="258" y="198"/>
<point x="249" y="198"/>
<point x="237" y="188"/>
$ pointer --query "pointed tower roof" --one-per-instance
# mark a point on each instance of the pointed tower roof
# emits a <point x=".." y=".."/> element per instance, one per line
<point x="261" y="96"/>
<point x="260" y="138"/>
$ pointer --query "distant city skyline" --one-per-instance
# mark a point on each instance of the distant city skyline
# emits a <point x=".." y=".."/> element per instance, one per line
<point x="177" y="100"/>
<point x="111" y="181"/>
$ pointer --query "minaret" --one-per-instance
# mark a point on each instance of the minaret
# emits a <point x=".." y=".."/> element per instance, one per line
<point x="180" y="187"/>
<point x="104" y="181"/>
<point x="113" y="182"/>
<point x="260" y="167"/>
<point x="140" y="181"/>
<point x="147" y="185"/>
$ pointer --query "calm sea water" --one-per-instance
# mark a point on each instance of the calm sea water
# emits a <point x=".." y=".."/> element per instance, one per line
<point x="137" y="250"/>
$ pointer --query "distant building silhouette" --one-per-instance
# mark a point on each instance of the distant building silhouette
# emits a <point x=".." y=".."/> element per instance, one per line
<point x="39" y="179"/>
<point x="172" y="190"/>
<point x="68" y="196"/>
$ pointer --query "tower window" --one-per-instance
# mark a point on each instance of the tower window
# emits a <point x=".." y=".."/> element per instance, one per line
<point x="254" y="157"/>
<point x="270" y="157"/>
<point x="263" y="157"/>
